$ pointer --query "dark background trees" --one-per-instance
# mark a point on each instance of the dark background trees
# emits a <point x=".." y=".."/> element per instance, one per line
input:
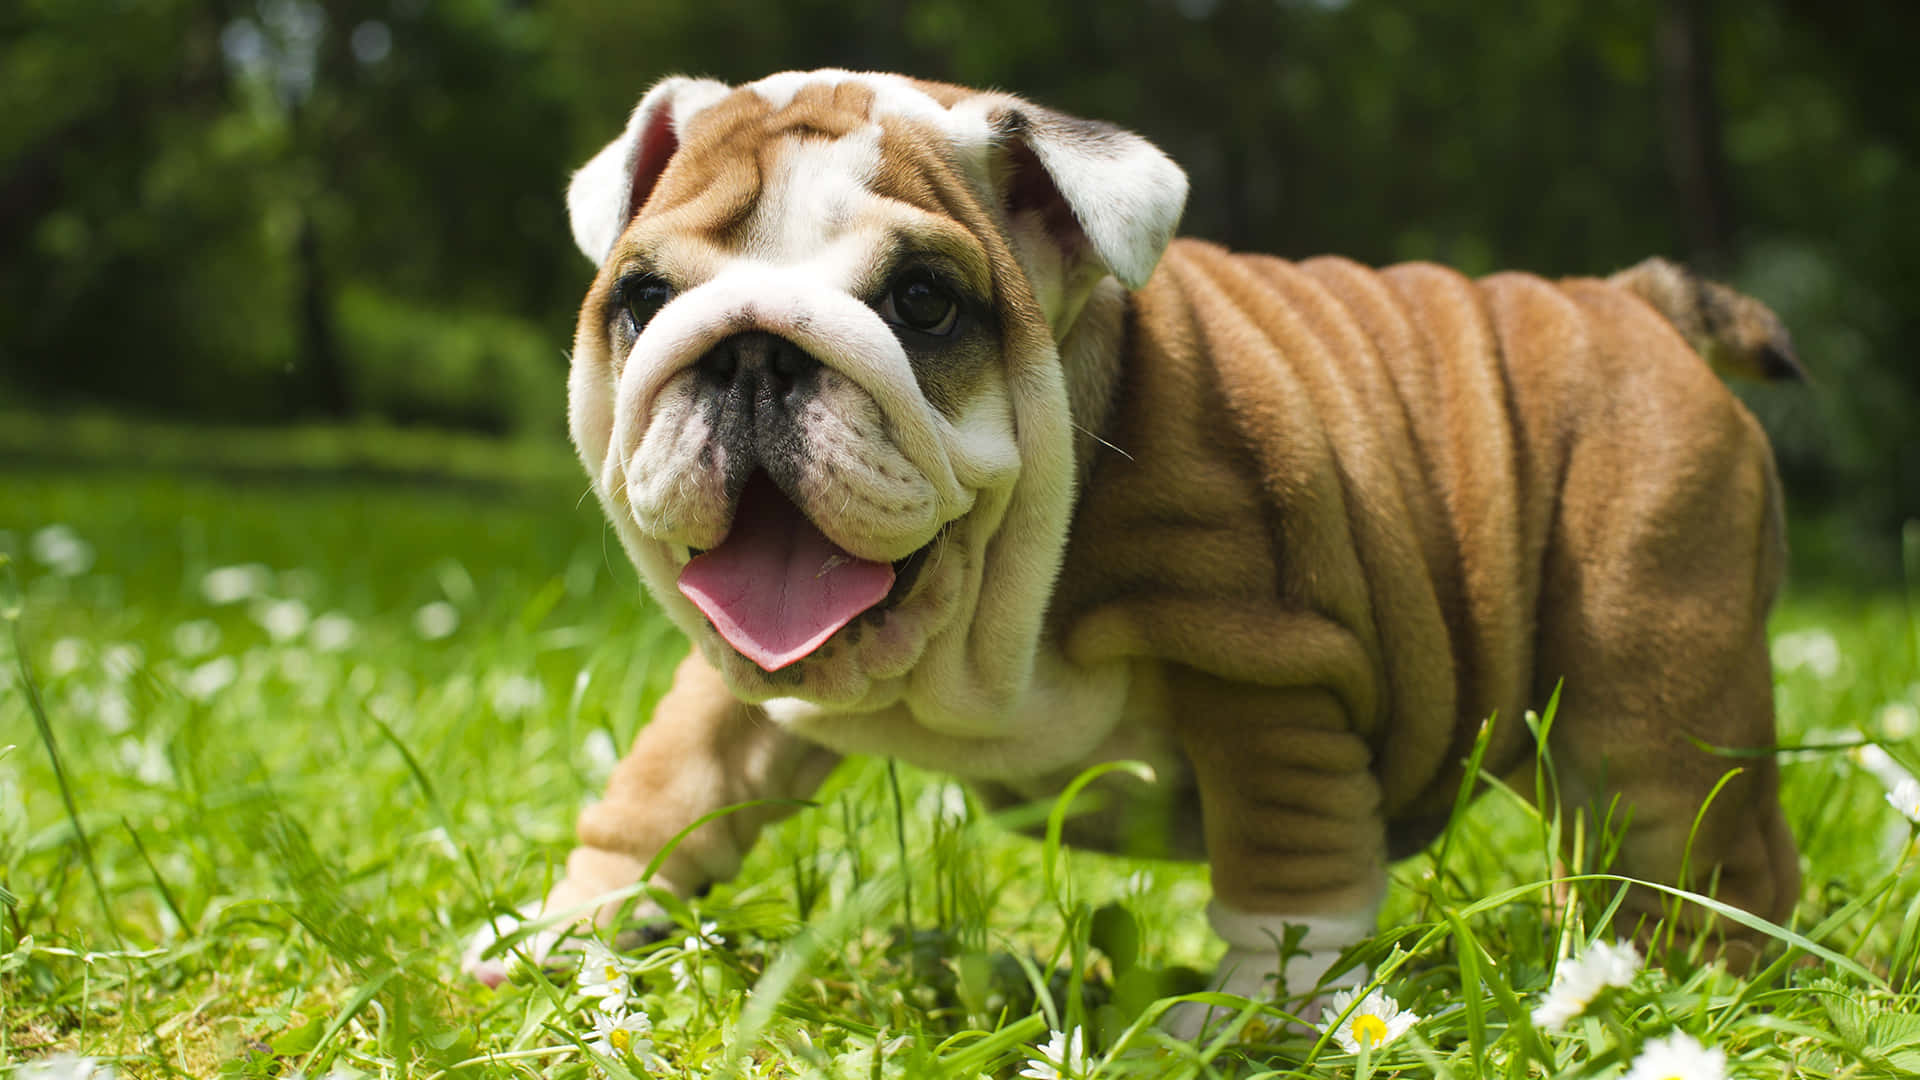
<point x="252" y="211"/>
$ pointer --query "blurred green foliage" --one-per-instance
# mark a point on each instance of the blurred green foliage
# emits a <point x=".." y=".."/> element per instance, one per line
<point x="261" y="210"/>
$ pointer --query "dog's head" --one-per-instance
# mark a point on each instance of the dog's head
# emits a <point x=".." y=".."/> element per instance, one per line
<point x="817" y="380"/>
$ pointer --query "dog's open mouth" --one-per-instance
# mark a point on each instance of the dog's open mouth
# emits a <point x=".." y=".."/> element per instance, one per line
<point x="776" y="588"/>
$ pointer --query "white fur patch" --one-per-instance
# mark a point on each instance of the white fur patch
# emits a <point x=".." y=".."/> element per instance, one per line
<point x="1068" y="715"/>
<point x="813" y="194"/>
<point x="1251" y="966"/>
<point x="893" y="95"/>
<point x="1126" y="194"/>
<point x="1333" y="930"/>
<point x="1253" y="954"/>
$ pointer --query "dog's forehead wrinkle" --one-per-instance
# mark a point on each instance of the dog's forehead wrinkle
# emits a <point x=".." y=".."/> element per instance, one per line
<point x="812" y="192"/>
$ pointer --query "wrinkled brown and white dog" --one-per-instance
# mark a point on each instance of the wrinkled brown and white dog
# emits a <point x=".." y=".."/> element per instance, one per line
<point x="917" y="423"/>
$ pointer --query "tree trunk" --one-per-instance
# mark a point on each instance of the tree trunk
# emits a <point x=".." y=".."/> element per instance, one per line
<point x="321" y="384"/>
<point x="1690" y="122"/>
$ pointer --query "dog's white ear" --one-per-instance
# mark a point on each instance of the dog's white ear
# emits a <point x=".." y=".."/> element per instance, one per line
<point x="610" y="189"/>
<point x="1098" y="190"/>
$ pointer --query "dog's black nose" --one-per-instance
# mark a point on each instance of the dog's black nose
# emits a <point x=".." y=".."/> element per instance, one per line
<point x="756" y="360"/>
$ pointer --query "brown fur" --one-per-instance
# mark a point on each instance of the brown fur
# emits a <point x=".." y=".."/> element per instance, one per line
<point x="1360" y="512"/>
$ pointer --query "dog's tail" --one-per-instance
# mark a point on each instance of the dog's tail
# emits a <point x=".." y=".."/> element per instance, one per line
<point x="1737" y="334"/>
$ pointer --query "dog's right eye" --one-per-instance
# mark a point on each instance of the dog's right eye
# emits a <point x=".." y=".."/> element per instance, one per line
<point x="641" y="298"/>
<point x="919" y="301"/>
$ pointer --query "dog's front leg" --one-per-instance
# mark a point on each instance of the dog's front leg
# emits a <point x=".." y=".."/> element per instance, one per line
<point x="703" y="751"/>
<point x="1294" y="838"/>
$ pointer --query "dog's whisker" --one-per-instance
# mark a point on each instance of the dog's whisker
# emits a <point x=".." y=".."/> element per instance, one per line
<point x="1089" y="433"/>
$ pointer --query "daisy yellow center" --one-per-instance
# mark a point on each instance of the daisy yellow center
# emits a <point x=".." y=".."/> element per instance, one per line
<point x="612" y="973"/>
<point x="1368" y="1029"/>
<point x="621" y="1039"/>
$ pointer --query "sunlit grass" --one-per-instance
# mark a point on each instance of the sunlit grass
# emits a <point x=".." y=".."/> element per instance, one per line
<point x="314" y="734"/>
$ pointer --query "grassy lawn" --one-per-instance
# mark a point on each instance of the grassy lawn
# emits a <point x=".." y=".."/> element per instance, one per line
<point x="313" y="732"/>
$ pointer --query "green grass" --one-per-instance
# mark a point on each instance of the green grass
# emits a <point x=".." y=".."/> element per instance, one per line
<point x="292" y="837"/>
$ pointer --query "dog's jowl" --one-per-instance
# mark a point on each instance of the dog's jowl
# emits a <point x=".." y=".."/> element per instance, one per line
<point x="917" y="421"/>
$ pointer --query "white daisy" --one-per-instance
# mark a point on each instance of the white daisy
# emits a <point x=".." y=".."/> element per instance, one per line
<point x="686" y="969"/>
<point x="66" y="657"/>
<point x="120" y="660"/>
<point x="604" y="975"/>
<point x="283" y="620"/>
<point x="113" y="710"/>
<point x="1678" y="1056"/>
<point x="1905" y="797"/>
<point x="207" y="680"/>
<point x="436" y="620"/>
<point x="1898" y="719"/>
<point x="1577" y="981"/>
<point x="1814" y="650"/>
<point x="1375" y="1022"/>
<point x="196" y="637"/>
<point x="60" y="549"/>
<point x="517" y="694"/>
<point x="1065" y="1056"/>
<point x="332" y="632"/>
<point x="601" y="755"/>
<point x="147" y="759"/>
<point x="232" y="584"/>
<point x="1874" y="759"/>
<point x="66" y="1068"/>
<point x="619" y="1034"/>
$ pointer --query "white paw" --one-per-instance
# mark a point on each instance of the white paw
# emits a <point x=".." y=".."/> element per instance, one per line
<point x="493" y="970"/>
<point x="1253" y="974"/>
<point x="1252" y="968"/>
<point x="572" y="925"/>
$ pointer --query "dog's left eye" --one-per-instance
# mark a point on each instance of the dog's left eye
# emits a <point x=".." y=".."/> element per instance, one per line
<point x="642" y="298"/>
<point x="918" y="301"/>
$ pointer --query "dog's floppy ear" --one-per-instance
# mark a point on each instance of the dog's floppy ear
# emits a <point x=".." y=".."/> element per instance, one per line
<point x="610" y="189"/>
<point x="1102" y="193"/>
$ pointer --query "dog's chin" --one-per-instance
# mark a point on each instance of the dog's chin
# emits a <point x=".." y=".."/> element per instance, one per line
<point x="864" y="664"/>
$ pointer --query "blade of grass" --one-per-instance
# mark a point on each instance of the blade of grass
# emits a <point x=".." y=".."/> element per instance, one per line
<point x="44" y="727"/>
<point x="159" y="883"/>
<point x="1519" y="1020"/>
<point x="763" y="1001"/>
<point x="1472" y="1004"/>
<point x="1057" y="819"/>
<point x="1469" y="780"/>
<point x="900" y="834"/>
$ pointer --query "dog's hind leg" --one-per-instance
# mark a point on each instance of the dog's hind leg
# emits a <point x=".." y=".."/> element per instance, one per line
<point x="1655" y="595"/>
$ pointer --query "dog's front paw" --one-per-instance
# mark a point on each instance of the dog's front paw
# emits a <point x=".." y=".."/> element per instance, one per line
<point x="550" y="948"/>
<point x="482" y="961"/>
<point x="1254" y="974"/>
<point x="593" y="893"/>
<point x="1252" y="966"/>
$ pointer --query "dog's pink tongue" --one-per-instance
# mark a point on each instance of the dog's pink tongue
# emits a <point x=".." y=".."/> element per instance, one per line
<point x="776" y="588"/>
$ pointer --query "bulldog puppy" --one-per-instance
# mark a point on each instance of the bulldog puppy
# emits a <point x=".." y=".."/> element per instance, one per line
<point x="913" y="417"/>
